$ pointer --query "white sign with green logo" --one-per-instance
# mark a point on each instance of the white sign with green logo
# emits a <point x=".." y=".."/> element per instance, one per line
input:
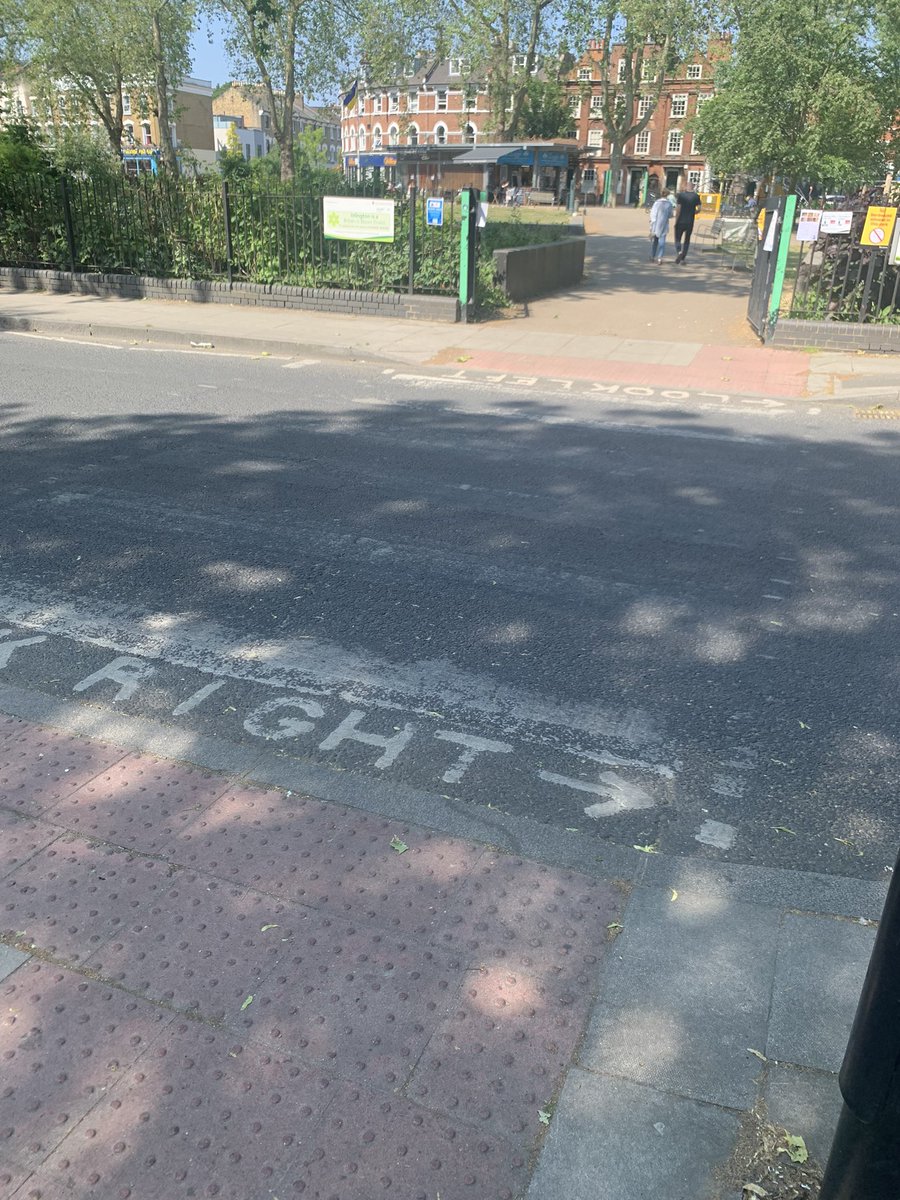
<point x="358" y="220"/>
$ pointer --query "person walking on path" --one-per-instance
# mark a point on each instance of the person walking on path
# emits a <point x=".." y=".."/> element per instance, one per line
<point x="660" y="214"/>
<point x="689" y="204"/>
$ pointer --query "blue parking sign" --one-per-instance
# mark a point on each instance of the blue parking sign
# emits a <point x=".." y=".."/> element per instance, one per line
<point x="434" y="210"/>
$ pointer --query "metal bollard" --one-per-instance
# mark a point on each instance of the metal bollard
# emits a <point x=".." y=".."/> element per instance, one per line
<point x="864" y="1163"/>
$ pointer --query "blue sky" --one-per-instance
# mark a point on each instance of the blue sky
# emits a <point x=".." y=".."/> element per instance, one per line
<point x="209" y="58"/>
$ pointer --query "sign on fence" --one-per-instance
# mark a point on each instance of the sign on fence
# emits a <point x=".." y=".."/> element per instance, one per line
<point x="894" y="256"/>
<point x="878" y="227"/>
<point x="836" y="222"/>
<point x="809" y="224"/>
<point x="358" y="220"/>
<point x="434" y="210"/>
<point x="710" y="203"/>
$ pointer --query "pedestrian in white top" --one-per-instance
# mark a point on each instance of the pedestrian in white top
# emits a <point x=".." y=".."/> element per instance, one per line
<point x="660" y="215"/>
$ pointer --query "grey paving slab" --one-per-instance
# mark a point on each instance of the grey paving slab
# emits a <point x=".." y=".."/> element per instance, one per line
<point x="822" y="963"/>
<point x="684" y="993"/>
<point x="805" y="1102"/>
<point x="615" y="1140"/>
<point x="10" y="960"/>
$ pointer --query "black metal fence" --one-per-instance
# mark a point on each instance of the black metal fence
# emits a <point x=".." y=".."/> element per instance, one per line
<point x="210" y="229"/>
<point x="837" y="279"/>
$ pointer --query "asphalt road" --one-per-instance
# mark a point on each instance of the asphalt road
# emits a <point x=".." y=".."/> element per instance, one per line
<point x="670" y="624"/>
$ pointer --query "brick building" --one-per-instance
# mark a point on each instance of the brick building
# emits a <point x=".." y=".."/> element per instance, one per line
<point x="436" y="105"/>
<point x="190" y="107"/>
<point x="247" y="108"/>
<point x="665" y="153"/>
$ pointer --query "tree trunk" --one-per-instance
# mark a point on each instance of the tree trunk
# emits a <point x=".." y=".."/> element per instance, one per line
<point x="286" y="151"/>
<point x="615" y="165"/>
<point x="169" y="159"/>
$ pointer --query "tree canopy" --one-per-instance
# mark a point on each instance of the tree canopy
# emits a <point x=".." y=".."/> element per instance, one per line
<point x="808" y="93"/>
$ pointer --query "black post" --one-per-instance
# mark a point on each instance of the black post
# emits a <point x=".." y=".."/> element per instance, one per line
<point x="412" y="238"/>
<point x="226" y="211"/>
<point x="867" y="287"/>
<point x="864" y="1163"/>
<point x="67" y="219"/>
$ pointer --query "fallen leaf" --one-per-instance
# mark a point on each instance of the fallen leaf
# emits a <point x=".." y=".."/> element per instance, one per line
<point x="803" y="725"/>
<point x="852" y="845"/>
<point x="247" y="1003"/>
<point x="784" y="829"/>
<point x="753" y="1189"/>
<point x="544" y="1116"/>
<point x="674" y="895"/>
<point x="651" y="848"/>
<point x="795" y="1149"/>
<point x="615" y="927"/>
<point x="757" y="1053"/>
<point x="265" y="927"/>
<point x="400" y="847"/>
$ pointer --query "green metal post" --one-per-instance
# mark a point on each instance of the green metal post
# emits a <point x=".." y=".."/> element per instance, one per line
<point x="467" y="233"/>
<point x="784" y="242"/>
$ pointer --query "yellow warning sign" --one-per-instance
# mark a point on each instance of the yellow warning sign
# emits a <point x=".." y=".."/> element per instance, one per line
<point x="878" y="227"/>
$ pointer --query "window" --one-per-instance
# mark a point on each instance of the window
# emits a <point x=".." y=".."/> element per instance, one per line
<point x="695" y="71"/>
<point x="674" y="141"/>
<point x="440" y="100"/>
<point x="470" y="134"/>
<point x="413" y="135"/>
<point x="264" y="120"/>
<point x="393" y="136"/>
<point x="258" y="150"/>
<point x="519" y="61"/>
<point x="454" y="66"/>
<point x="247" y="153"/>
<point x="470" y="99"/>
<point x="126" y="104"/>
<point x="146" y="136"/>
<point x="588" y="179"/>
<point x="695" y="145"/>
<point x="377" y="103"/>
<point x="362" y="139"/>
<point x="642" y="142"/>
<point x="678" y="107"/>
<point x="595" y="139"/>
<point x="620" y="71"/>
<point x="648" y="70"/>
<point x="695" y="179"/>
<point x="129" y="133"/>
<point x="596" y="105"/>
<point x="440" y="135"/>
<point x="701" y="100"/>
<point x="376" y="138"/>
<point x="575" y="106"/>
<point x="394" y="102"/>
<point x="645" y="105"/>
<point x="412" y="102"/>
<point x="584" y="74"/>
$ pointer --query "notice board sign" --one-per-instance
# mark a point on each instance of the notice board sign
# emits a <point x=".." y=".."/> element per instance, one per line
<point x="358" y="220"/>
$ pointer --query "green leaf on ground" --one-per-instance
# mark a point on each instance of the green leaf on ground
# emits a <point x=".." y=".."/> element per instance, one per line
<point x="757" y="1053"/>
<point x="615" y="927"/>
<point x="544" y="1116"/>
<point x="795" y="1148"/>
<point x="753" y="1189"/>
<point x="247" y="1003"/>
<point x="265" y="927"/>
<point x="651" y="848"/>
<point x="400" y="847"/>
<point x="784" y="829"/>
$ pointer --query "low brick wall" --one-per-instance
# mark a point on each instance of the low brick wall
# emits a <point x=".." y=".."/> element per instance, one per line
<point x="835" y="335"/>
<point x="528" y="271"/>
<point x="203" y="291"/>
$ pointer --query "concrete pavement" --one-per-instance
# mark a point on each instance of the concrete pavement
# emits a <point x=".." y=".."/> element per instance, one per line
<point x="211" y="988"/>
<point x="630" y="323"/>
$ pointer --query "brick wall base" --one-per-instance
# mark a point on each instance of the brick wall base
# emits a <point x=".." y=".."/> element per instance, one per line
<point x="835" y="335"/>
<point x="203" y="291"/>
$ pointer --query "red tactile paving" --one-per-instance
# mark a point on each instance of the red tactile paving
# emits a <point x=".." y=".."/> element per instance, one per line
<point x="199" y="1116"/>
<point x="369" y="1146"/>
<point x="200" y="946"/>
<point x="497" y="1059"/>
<point x="71" y="897"/>
<point x="327" y="856"/>
<point x="39" y="766"/>
<point x="532" y="918"/>
<point x="64" y="1043"/>
<point x="139" y="802"/>
<point x="20" y="838"/>
<point x="360" y="1002"/>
